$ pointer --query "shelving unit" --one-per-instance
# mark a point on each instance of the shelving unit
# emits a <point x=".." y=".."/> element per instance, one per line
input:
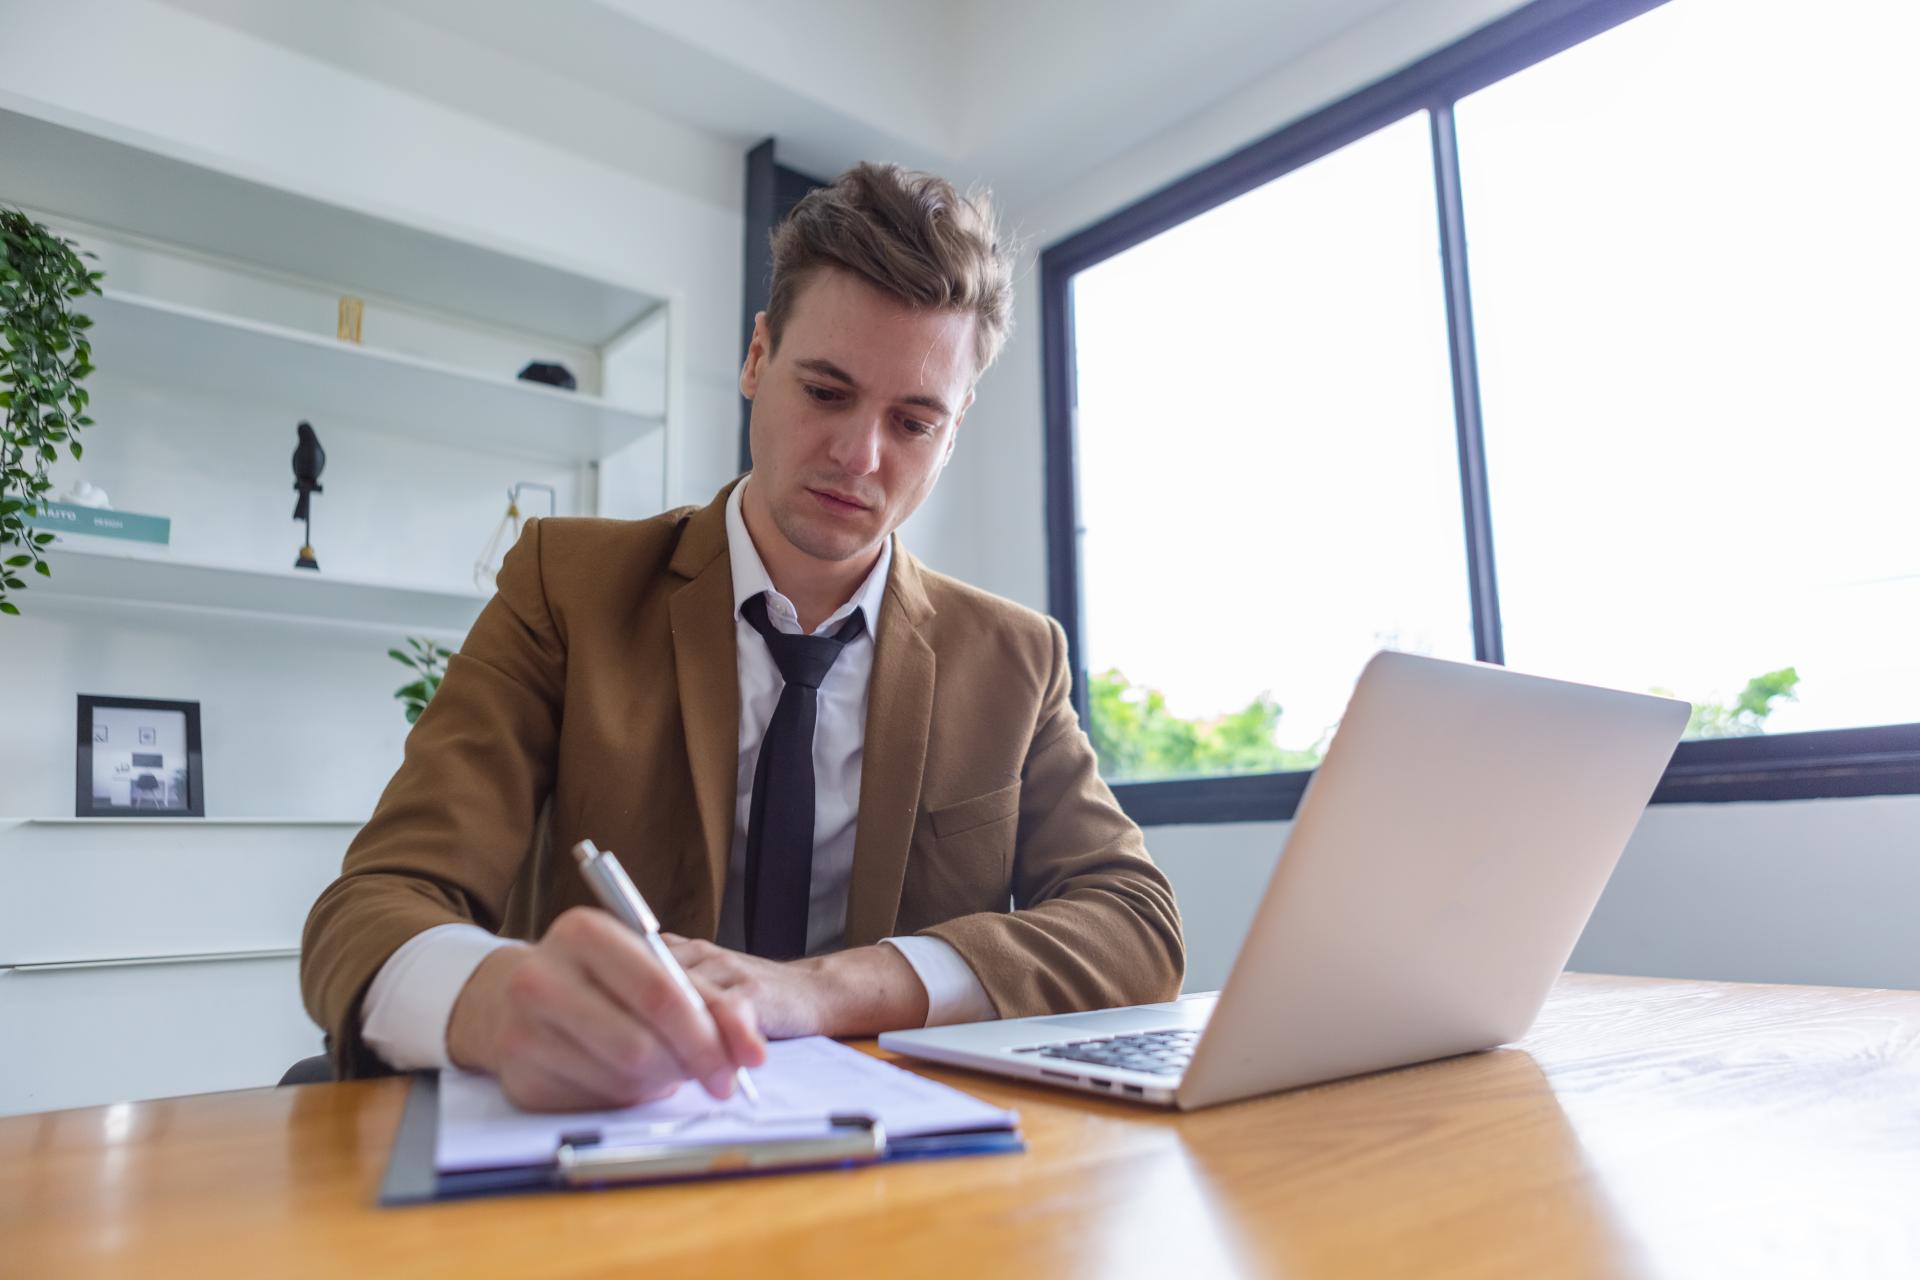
<point x="150" y="187"/>
<point x="215" y="337"/>
<point x="178" y="936"/>
<point x="140" y="574"/>
<point x="183" y="822"/>
<point x="183" y="346"/>
<point x="187" y="213"/>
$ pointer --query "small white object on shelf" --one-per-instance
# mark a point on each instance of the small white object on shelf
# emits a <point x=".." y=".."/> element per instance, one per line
<point x="84" y="493"/>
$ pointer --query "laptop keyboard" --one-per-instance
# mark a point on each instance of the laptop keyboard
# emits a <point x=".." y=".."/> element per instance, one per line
<point x="1160" y="1053"/>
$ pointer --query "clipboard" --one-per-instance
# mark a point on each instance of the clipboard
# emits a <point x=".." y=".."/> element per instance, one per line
<point x="582" y="1162"/>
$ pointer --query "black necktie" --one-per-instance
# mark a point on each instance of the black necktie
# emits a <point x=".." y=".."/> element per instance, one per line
<point x="780" y="816"/>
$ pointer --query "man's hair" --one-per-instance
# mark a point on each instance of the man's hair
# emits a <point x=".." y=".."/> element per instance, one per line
<point x="910" y="235"/>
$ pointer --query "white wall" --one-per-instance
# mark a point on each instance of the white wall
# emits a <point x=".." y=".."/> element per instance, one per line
<point x="480" y="59"/>
<point x="1807" y="891"/>
<point x="1795" y="892"/>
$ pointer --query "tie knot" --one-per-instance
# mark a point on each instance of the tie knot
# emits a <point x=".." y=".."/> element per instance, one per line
<point x="803" y="660"/>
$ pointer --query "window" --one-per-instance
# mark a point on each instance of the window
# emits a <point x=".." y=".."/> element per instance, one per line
<point x="1300" y="331"/>
<point x="1693" y="290"/>
<point x="1678" y="400"/>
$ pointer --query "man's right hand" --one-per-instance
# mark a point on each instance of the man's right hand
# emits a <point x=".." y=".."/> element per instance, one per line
<point x="587" y="1018"/>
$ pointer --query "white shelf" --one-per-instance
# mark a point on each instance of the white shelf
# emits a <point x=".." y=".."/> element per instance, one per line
<point x="324" y="378"/>
<point x="145" y="574"/>
<point x="187" y="822"/>
<point x="66" y="163"/>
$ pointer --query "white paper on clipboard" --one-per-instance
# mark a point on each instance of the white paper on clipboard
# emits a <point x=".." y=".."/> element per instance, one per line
<point x="802" y="1083"/>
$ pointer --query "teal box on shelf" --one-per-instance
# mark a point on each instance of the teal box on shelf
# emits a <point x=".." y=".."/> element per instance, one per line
<point x="102" y="522"/>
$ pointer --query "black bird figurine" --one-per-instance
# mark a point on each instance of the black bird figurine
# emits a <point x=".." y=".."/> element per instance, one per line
<point x="309" y="460"/>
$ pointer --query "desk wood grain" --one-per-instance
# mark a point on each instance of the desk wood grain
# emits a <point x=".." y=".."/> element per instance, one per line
<point x="1644" y="1128"/>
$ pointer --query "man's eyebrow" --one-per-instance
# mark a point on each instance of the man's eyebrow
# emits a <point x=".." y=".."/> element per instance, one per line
<point x="828" y="369"/>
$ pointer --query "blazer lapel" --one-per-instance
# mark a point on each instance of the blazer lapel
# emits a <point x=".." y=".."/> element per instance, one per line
<point x="899" y="716"/>
<point x="704" y="664"/>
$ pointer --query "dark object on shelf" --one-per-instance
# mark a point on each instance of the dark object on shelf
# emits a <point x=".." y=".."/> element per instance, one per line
<point x="138" y="758"/>
<point x="309" y="460"/>
<point x="553" y="375"/>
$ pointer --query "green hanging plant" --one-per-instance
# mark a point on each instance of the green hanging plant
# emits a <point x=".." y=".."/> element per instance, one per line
<point x="428" y="661"/>
<point x="44" y="355"/>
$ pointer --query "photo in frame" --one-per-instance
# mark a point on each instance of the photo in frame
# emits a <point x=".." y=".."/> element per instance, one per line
<point x="138" y="758"/>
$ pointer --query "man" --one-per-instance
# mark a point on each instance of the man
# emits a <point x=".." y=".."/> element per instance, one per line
<point x="829" y="770"/>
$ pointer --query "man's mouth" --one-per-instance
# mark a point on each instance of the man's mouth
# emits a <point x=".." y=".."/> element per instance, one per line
<point x="836" y="501"/>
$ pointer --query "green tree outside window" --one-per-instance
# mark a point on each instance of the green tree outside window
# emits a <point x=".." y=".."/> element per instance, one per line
<point x="1138" y="740"/>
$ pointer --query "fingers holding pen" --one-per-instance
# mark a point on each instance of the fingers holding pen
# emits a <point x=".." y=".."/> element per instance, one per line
<point x="573" y="1032"/>
<point x="708" y="1044"/>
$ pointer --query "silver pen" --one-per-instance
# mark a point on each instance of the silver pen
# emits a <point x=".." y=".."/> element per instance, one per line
<point x="610" y="884"/>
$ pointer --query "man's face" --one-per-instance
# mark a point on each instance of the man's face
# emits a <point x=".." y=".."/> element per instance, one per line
<point x="854" y="417"/>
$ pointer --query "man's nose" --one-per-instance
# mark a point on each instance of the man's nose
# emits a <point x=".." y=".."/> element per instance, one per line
<point x="856" y="447"/>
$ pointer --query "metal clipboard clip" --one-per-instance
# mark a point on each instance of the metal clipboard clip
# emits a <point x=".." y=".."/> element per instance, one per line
<point x="850" y="1139"/>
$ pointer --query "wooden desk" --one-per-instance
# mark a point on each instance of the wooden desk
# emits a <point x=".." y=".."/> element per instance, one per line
<point x="1645" y="1128"/>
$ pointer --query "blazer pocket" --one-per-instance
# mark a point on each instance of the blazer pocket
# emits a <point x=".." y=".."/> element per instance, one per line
<point x="952" y="819"/>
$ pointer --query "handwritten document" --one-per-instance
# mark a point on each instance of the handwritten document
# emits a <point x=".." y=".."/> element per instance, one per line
<point x="803" y="1082"/>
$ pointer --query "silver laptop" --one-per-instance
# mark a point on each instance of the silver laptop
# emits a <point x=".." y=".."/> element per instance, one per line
<point x="1443" y="861"/>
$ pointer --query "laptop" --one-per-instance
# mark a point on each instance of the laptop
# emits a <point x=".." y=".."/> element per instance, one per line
<point x="1442" y="863"/>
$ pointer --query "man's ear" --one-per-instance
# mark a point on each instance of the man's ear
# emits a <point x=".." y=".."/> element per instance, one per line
<point x="759" y="350"/>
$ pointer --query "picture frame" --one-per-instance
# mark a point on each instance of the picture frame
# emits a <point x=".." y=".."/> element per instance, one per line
<point x="137" y="758"/>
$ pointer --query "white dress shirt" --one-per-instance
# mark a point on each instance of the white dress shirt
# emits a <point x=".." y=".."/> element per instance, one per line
<point x="411" y="999"/>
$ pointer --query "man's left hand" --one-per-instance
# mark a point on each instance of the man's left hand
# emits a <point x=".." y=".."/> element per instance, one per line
<point x="861" y="992"/>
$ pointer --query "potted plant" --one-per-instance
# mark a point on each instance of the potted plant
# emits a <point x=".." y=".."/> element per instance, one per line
<point x="44" y="355"/>
<point x="426" y="660"/>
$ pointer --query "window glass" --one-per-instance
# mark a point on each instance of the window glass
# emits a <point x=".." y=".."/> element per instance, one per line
<point x="1269" y="481"/>
<point x="1695" y="254"/>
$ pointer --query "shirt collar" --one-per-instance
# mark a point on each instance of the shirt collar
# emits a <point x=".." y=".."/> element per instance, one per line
<point x="750" y="576"/>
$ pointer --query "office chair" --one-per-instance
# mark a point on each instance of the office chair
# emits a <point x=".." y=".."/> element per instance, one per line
<point x="315" y="1070"/>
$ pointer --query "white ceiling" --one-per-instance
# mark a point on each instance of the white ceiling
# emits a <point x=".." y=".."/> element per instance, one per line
<point x="1015" y="92"/>
<point x="1021" y="94"/>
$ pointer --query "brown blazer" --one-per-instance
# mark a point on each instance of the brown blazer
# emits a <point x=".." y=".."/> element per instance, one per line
<point x="596" y="697"/>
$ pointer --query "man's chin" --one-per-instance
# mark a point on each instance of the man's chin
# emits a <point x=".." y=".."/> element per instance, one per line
<point x="825" y="538"/>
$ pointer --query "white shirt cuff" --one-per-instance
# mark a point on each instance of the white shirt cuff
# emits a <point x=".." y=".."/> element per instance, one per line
<point x="954" y="994"/>
<point x="404" y="1018"/>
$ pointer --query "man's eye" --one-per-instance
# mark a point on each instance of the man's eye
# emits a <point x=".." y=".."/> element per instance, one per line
<point x="823" y="395"/>
<point x="919" y="428"/>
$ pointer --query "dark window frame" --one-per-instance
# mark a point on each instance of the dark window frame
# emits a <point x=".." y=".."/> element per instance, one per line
<point x="1877" y="760"/>
<point x="772" y="191"/>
